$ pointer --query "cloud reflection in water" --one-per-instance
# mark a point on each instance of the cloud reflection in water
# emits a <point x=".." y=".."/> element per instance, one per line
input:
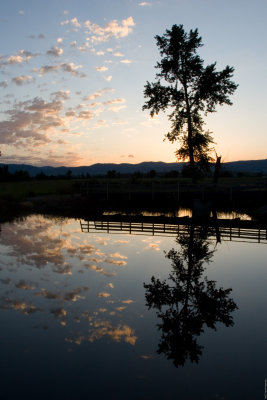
<point x="41" y="259"/>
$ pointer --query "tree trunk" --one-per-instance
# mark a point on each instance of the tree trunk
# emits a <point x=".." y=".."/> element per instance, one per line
<point x="191" y="148"/>
<point x="217" y="169"/>
<point x="190" y="135"/>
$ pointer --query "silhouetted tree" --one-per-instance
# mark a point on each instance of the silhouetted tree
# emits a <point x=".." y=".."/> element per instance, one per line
<point x="21" y="175"/>
<point x="152" y="173"/>
<point x="41" y="176"/>
<point x="69" y="174"/>
<point x="188" y="301"/>
<point x="4" y="173"/>
<point x="172" y="174"/>
<point x="189" y="90"/>
<point x="217" y="168"/>
<point x="111" y="174"/>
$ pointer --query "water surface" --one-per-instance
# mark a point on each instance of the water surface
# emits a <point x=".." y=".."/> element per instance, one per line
<point x="82" y="317"/>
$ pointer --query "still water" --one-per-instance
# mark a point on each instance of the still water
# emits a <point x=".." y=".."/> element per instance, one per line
<point x="98" y="315"/>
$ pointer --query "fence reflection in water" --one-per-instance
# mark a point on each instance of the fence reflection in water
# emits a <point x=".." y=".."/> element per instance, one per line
<point x="244" y="231"/>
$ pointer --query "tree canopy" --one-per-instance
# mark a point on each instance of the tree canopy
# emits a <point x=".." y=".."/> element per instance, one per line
<point x="187" y="90"/>
<point x="188" y="301"/>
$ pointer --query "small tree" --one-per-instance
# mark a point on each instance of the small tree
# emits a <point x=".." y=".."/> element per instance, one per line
<point x="191" y="91"/>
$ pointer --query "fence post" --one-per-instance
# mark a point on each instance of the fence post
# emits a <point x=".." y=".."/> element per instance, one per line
<point x="202" y="190"/>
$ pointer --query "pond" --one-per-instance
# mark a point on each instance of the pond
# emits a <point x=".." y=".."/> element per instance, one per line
<point x="104" y="314"/>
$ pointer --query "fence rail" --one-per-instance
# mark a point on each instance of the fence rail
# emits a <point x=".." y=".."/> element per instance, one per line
<point x="226" y="233"/>
<point x="177" y="191"/>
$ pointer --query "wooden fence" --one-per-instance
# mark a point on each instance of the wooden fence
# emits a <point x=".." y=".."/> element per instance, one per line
<point x="245" y="231"/>
<point x="175" y="191"/>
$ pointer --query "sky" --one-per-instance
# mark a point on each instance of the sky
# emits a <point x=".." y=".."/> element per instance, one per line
<point x="72" y="76"/>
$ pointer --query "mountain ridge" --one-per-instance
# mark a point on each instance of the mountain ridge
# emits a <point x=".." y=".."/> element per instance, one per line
<point x="251" y="166"/>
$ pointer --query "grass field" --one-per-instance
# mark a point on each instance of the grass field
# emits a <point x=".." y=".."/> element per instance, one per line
<point x="20" y="190"/>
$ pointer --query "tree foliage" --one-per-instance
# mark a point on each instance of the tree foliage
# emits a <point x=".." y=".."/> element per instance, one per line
<point x="187" y="90"/>
<point x="188" y="302"/>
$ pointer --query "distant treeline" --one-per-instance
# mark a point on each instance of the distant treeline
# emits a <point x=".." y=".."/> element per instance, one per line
<point x="22" y="175"/>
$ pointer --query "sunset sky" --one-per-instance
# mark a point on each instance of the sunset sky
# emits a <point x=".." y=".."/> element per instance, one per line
<point x="72" y="76"/>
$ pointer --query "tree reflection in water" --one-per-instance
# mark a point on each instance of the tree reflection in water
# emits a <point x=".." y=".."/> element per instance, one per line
<point x="188" y="301"/>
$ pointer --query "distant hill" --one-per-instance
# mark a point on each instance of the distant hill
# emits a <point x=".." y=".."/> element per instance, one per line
<point x="97" y="169"/>
<point x="250" y="166"/>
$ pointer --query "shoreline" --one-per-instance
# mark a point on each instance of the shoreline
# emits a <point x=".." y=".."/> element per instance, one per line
<point x="78" y="206"/>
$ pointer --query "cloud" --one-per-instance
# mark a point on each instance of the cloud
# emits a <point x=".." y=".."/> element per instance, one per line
<point x="145" y="4"/>
<point x="19" y="58"/>
<point x="116" y="109"/>
<point x="131" y="156"/>
<point x="70" y="68"/>
<point x="115" y="333"/>
<point x="118" y="54"/>
<point x="61" y="95"/>
<point x="48" y="294"/>
<point x="103" y="294"/>
<point x="22" y="284"/>
<point x="14" y="59"/>
<point x="114" y="101"/>
<point x="46" y="158"/>
<point x="46" y="69"/>
<point x="40" y="36"/>
<point x="22" y="79"/>
<point x="19" y="305"/>
<point x="72" y="22"/>
<point x="29" y="121"/>
<point x="97" y="94"/>
<point x="118" y="255"/>
<point x="126" y="61"/>
<point x="108" y="78"/>
<point x="58" y="312"/>
<point x="102" y="34"/>
<point x="121" y="308"/>
<point x="4" y="84"/>
<point x="55" y="51"/>
<point x="116" y="262"/>
<point x="101" y="69"/>
<point x="85" y="115"/>
<point x="101" y="123"/>
<point x="75" y="22"/>
<point x="101" y="270"/>
<point x="74" y="295"/>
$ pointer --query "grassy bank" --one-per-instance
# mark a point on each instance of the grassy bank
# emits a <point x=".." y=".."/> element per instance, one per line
<point x="21" y="190"/>
<point x="77" y="198"/>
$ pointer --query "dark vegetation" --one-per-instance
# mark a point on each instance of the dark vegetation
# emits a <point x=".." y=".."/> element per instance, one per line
<point x="187" y="303"/>
<point x="162" y="192"/>
<point x="187" y="91"/>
